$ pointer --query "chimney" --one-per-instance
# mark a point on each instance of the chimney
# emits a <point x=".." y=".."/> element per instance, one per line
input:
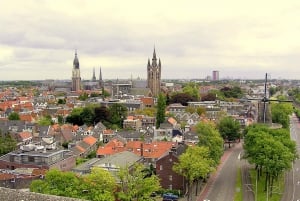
<point x="142" y="149"/>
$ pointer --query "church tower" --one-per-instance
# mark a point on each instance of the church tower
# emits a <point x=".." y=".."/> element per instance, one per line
<point x="154" y="75"/>
<point x="94" y="76"/>
<point x="101" y="84"/>
<point x="76" y="80"/>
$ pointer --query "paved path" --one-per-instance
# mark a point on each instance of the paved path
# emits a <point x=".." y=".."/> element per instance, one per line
<point x="221" y="185"/>
<point x="292" y="178"/>
<point x="247" y="188"/>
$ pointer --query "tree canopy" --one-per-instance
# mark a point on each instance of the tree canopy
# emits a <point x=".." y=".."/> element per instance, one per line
<point x="194" y="164"/>
<point x="272" y="151"/>
<point x="281" y="112"/>
<point x="210" y="137"/>
<point x="136" y="184"/>
<point x="7" y="143"/>
<point x="161" y="107"/>
<point x="232" y="92"/>
<point x="99" y="185"/>
<point x="13" y="116"/>
<point x="182" y="98"/>
<point x="229" y="129"/>
<point x="111" y="117"/>
<point x="192" y="89"/>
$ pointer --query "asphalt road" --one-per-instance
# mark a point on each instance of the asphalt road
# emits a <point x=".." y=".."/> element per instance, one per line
<point x="223" y="183"/>
<point x="292" y="179"/>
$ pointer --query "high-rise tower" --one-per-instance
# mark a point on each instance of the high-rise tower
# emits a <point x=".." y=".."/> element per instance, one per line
<point x="76" y="80"/>
<point x="215" y="75"/>
<point x="154" y="75"/>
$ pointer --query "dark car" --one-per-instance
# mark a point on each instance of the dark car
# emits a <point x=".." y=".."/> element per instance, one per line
<point x="170" y="197"/>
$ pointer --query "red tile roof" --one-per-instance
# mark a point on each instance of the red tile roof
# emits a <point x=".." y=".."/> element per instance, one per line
<point x="112" y="147"/>
<point x="79" y="148"/>
<point x="6" y="176"/>
<point x="108" y="132"/>
<point x="150" y="150"/>
<point x="25" y="135"/>
<point x="90" y="140"/>
<point x="172" y="121"/>
<point x="147" y="100"/>
<point x="26" y="117"/>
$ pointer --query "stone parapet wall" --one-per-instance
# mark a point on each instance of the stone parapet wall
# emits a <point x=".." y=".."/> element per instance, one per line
<point x="17" y="195"/>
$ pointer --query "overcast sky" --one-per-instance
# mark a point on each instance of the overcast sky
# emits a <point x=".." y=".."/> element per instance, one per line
<point x="240" y="39"/>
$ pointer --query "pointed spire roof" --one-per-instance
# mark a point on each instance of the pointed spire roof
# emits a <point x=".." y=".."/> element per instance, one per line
<point x="75" y="61"/>
<point x="154" y="58"/>
<point x="94" y="76"/>
<point x="154" y="53"/>
<point x="100" y="75"/>
<point x="148" y="65"/>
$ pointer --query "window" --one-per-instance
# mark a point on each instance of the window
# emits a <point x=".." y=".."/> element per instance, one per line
<point x="160" y="167"/>
<point x="170" y="177"/>
<point x="30" y="159"/>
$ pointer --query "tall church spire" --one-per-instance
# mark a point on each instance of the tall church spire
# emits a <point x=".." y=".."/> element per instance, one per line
<point x="154" y="53"/>
<point x="100" y="79"/>
<point x="76" y="79"/>
<point x="94" y="76"/>
<point x="154" y="58"/>
<point x="75" y="61"/>
<point x="154" y="75"/>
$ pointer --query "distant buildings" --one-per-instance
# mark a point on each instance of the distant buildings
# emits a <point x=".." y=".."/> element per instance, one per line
<point x="215" y="75"/>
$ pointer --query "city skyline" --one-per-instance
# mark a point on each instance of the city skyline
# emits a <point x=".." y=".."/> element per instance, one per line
<point x="242" y="40"/>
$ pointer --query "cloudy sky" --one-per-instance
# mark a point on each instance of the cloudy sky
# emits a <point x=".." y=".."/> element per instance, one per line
<point x="241" y="39"/>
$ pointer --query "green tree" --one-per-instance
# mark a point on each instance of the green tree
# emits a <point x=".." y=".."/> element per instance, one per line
<point x="210" y="137"/>
<point x="182" y="98"/>
<point x="280" y="113"/>
<point x="272" y="91"/>
<point x="209" y="97"/>
<point x="102" y="114"/>
<point x="100" y="184"/>
<point x="83" y="97"/>
<point x="135" y="184"/>
<point x="105" y="94"/>
<point x="148" y="111"/>
<point x="201" y="111"/>
<point x="232" y="92"/>
<point x="118" y="113"/>
<point x="7" y="143"/>
<point x="45" y="121"/>
<point x="193" y="90"/>
<point x="229" y="129"/>
<point x="194" y="164"/>
<point x="61" y="101"/>
<point x="60" y="119"/>
<point x="88" y="115"/>
<point x="75" y="117"/>
<point x="58" y="183"/>
<point x="161" y="107"/>
<point x="271" y="151"/>
<point x="13" y="116"/>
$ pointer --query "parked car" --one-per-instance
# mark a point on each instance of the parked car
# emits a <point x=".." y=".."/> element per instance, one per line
<point x="170" y="197"/>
